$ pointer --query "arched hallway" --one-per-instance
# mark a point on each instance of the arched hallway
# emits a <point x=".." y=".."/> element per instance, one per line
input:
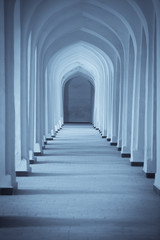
<point x="81" y="189"/>
<point x="112" y="46"/>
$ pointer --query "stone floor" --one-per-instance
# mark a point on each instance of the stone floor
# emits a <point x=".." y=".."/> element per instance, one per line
<point x="81" y="189"/>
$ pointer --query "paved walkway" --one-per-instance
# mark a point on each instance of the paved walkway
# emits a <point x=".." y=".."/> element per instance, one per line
<point x="81" y="189"/>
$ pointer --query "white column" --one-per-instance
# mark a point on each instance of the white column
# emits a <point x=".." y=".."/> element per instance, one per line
<point x="101" y="101"/>
<point x="115" y="106"/>
<point x="120" y="70"/>
<point x="40" y="103"/>
<point x="157" y="176"/>
<point x="109" y="108"/>
<point x="24" y="168"/>
<point x="137" y="136"/>
<point x="17" y="84"/>
<point x="97" y="106"/>
<point x="31" y="101"/>
<point x="52" y="102"/>
<point x="38" y="143"/>
<point x="36" y="146"/>
<point x="42" y="109"/>
<point x="127" y="100"/>
<point x="104" y="130"/>
<point x="7" y="116"/>
<point x="150" y="118"/>
<point x="46" y="104"/>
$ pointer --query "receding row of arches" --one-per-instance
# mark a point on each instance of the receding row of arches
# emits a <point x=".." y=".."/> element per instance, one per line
<point x="69" y="61"/>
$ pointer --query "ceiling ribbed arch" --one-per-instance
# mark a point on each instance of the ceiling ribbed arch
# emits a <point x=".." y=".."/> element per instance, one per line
<point x="104" y="24"/>
<point x="60" y="27"/>
<point x="48" y="38"/>
<point x="39" y="13"/>
<point x="77" y="73"/>
<point x="81" y="36"/>
<point x="79" y="54"/>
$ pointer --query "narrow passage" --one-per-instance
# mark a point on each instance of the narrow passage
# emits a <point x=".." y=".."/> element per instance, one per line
<point x="81" y="189"/>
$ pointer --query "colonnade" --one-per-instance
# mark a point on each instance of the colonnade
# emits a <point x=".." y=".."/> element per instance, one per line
<point x="115" y="44"/>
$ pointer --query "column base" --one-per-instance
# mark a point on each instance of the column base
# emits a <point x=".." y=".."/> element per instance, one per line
<point x="125" y="155"/>
<point x="22" y="173"/>
<point x="23" y="168"/>
<point x="137" y="164"/>
<point x="104" y="136"/>
<point x="37" y="154"/>
<point x="150" y="175"/>
<point x="7" y="191"/>
<point x="113" y="144"/>
<point x="33" y="161"/>
<point x="49" y="138"/>
<point x="119" y="149"/>
<point x="136" y="158"/>
<point x="157" y="190"/>
<point x="108" y="139"/>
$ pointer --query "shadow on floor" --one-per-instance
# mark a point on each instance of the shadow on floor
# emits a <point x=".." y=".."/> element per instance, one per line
<point x="98" y="163"/>
<point x="43" y="174"/>
<point x="51" y="191"/>
<point x="23" y="221"/>
<point x="78" y="153"/>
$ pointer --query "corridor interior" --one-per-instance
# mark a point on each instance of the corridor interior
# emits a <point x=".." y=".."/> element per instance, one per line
<point x="80" y="188"/>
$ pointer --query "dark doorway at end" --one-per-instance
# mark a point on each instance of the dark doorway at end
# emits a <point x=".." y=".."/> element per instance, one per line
<point x="78" y="100"/>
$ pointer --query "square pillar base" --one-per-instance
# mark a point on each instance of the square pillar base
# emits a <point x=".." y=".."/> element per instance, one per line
<point x="37" y="154"/>
<point x="22" y="173"/>
<point x="113" y="144"/>
<point x="157" y="190"/>
<point x="7" y="191"/>
<point x="49" y="138"/>
<point x="32" y="161"/>
<point x="137" y="164"/>
<point x="125" y="155"/>
<point x="149" y="175"/>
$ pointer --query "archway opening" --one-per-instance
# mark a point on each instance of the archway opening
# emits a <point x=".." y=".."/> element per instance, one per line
<point x="78" y="100"/>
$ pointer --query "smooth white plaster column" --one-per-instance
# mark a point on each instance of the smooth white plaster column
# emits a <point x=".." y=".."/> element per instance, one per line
<point x="24" y="168"/>
<point x="128" y="95"/>
<point x="120" y="70"/>
<point x="157" y="176"/>
<point x="137" y="134"/>
<point x="150" y="118"/>
<point x="115" y="104"/>
<point x="7" y="109"/>
<point x="17" y="85"/>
